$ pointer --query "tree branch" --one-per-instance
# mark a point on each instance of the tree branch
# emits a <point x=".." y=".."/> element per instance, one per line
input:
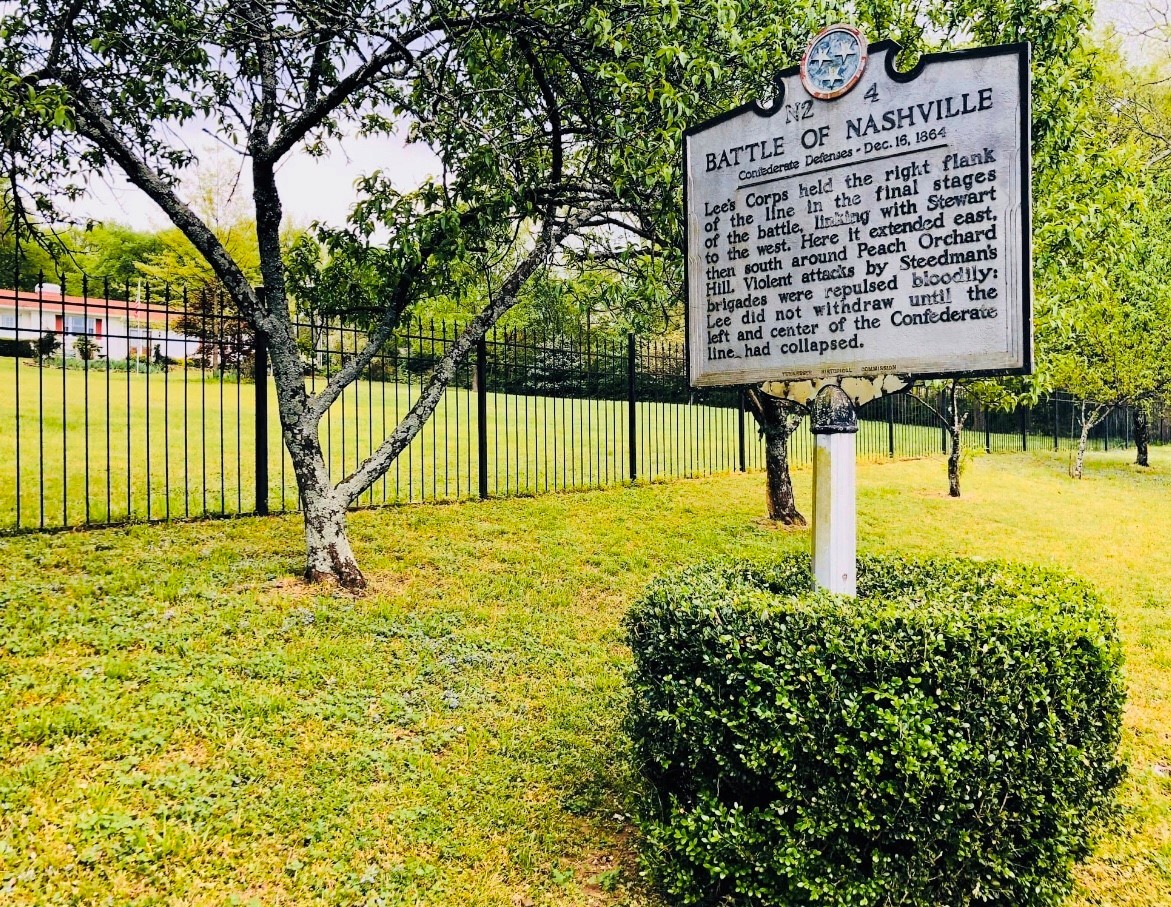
<point x="316" y="113"/>
<point x="96" y="127"/>
<point x="551" y="109"/>
<point x="58" y="40"/>
<point x="262" y="125"/>
<point x="376" y="464"/>
<point x="931" y="409"/>
<point x="1100" y="412"/>
<point x="317" y="68"/>
<point x="320" y="403"/>
<point x="755" y="404"/>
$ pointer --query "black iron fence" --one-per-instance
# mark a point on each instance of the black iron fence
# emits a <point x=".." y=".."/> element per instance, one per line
<point x="140" y="405"/>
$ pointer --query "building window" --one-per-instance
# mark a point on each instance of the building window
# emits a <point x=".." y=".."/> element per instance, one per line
<point x="7" y="319"/>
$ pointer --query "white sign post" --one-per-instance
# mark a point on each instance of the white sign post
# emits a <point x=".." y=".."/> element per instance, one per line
<point x="835" y="520"/>
<point x="867" y="223"/>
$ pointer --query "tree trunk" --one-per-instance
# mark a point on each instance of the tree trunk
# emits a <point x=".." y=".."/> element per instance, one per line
<point x="328" y="555"/>
<point x="954" y="430"/>
<point x="328" y="552"/>
<point x="777" y="419"/>
<point x="328" y="545"/>
<point x="953" y="462"/>
<point x="1080" y="460"/>
<point x="1083" y="440"/>
<point x="1142" y="436"/>
<point x="782" y="504"/>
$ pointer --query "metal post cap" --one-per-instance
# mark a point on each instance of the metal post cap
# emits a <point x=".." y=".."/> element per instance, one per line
<point x="832" y="412"/>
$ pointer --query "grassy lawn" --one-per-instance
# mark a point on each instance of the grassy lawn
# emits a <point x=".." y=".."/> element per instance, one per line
<point x="185" y="724"/>
<point x="181" y="444"/>
<point x="96" y="446"/>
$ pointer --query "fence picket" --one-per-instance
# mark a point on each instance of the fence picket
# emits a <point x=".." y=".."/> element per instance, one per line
<point x="547" y="412"/>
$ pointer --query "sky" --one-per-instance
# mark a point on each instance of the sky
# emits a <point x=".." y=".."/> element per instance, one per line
<point x="1131" y="18"/>
<point x="311" y="188"/>
<point x="322" y="189"/>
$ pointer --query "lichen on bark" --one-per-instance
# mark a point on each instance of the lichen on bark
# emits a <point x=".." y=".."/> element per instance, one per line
<point x="777" y="419"/>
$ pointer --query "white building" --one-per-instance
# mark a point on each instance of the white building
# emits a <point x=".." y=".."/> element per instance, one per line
<point x="121" y="330"/>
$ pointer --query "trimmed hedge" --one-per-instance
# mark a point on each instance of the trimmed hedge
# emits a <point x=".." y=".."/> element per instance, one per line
<point x="16" y="349"/>
<point x="947" y="738"/>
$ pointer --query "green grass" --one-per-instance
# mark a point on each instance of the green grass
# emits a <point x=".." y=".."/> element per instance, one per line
<point x="147" y="433"/>
<point x="179" y="444"/>
<point x="185" y="724"/>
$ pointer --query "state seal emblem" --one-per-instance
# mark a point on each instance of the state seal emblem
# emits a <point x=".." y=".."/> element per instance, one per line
<point x="834" y="62"/>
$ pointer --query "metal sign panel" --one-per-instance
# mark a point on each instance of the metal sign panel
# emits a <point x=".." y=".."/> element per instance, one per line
<point x="884" y="229"/>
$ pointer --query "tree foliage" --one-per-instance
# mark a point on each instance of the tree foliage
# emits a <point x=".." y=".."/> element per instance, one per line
<point x="1101" y="312"/>
<point x="1104" y="324"/>
<point x="543" y="116"/>
<point x="557" y="126"/>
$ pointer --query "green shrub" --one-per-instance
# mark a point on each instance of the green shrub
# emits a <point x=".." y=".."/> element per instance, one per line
<point x="947" y="738"/>
<point x="16" y="349"/>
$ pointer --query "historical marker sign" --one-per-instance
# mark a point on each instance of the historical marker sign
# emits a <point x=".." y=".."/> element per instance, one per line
<point x="867" y="222"/>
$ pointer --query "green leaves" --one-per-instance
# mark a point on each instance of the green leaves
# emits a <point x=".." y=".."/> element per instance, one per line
<point x="948" y="737"/>
<point x="1102" y="321"/>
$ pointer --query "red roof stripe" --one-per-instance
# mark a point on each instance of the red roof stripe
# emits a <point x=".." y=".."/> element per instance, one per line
<point x="81" y="305"/>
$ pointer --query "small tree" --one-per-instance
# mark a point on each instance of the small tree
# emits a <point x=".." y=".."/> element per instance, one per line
<point x="1111" y="350"/>
<point x="1141" y="415"/>
<point x="954" y="415"/>
<point x="526" y="106"/>
<point x="87" y="348"/>
<point x="225" y="339"/>
<point x="959" y="397"/>
<point x="47" y="345"/>
<point x="1113" y="355"/>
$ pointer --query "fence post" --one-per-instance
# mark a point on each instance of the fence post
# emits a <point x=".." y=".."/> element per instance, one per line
<point x="743" y="450"/>
<point x="1024" y="423"/>
<point x="482" y="414"/>
<point x="987" y="432"/>
<point x="1056" y="426"/>
<point x="260" y="386"/>
<point x="631" y="419"/>
<point x="890" y="424"/>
